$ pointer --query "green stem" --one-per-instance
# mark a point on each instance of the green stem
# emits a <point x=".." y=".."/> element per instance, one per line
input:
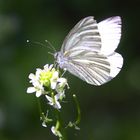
<point x="39" y="106"/>
<point x="59" y="125"/>
<point x="78" y="110"/>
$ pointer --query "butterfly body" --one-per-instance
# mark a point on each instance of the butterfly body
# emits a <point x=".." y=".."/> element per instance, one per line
<point x="88" y="50"/>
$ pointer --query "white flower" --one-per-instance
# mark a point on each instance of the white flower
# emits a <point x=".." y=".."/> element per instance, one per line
<point x="54" y="101"/>
<point x="37" y="86"/>
<point x="61" y="83"/>
<point x="60" y="96"/>
<point x="49" y="76"/>
<point x="56" y="132"/>
<point x="38" y="90"/>
<point x="45" y="119"/>
<point x="43" y="79"/>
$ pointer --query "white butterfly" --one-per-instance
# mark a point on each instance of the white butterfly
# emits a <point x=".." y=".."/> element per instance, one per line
<point x="88" y="50"/>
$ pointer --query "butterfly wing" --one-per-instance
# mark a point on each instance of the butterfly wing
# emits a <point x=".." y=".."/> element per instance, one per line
<point x="95" y="68"/>
<point x="89" y="51"/>
<point x="110" y="32"/>
<point x="84" y="36"/>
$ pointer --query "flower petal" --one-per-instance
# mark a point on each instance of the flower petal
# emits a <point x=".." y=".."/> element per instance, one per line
<point x="60" y="96"/>
<point x="53" y="130"/>
<point x="38" y="93"/>
<point x="36" y="83"/>
<point x="46" y="67"/>
<point x="49" y="98"/>
<point x="56" y="132"/>
<point x="53" y="102"/>
<point x="31" y="76"/>
<point x="31" y="89"/>
<point x="53" y="84"/>
<point x="38" y="71"/>
<point x="55" y="75"/>
<point x="44" y="124"/>
<point x="50" y="67"/>
<point x="62" y="80"/>
<point x="57" y="105"/>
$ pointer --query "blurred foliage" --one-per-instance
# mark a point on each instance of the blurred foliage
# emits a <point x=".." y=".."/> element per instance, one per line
<point x="111" y="111"/>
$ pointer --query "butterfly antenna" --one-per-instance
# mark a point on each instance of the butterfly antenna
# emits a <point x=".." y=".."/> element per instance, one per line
<point x="51" y="53"/>
<point x="50" y="45"/>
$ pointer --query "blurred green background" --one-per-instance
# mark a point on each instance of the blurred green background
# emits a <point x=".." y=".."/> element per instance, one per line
<point x="109" y="112"/>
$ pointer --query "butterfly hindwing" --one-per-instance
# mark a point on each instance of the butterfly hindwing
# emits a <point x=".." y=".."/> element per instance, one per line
<point x="110" y="32"/>
<point x="95" y="68"/>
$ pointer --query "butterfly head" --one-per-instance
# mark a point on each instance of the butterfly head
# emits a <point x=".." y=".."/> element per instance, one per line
<point x="60" y="60"/>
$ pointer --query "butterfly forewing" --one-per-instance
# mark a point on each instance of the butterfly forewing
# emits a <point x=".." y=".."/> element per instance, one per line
<point x="84" y="36"/>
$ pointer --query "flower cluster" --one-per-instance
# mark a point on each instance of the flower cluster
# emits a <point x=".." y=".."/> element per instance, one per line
<point x="47" y="82"/>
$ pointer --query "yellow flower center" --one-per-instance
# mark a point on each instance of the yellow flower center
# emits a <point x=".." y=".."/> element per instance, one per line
<point x="45" y="77"/>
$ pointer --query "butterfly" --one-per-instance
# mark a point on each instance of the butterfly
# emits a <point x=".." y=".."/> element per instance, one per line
<point x="88" y="51"/>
